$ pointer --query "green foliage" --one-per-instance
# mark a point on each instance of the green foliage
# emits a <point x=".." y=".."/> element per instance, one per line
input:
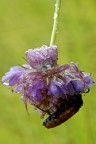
<point x="28" y="24"/>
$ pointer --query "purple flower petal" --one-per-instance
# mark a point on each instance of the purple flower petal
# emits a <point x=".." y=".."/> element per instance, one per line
<point x="64" y="89"/>
<point x="14" y="72"/>
<point x="39" y="96"/>
<point x="88" y="80"/>
<point x="19" y="88"/>
<point x="67" y="80"/>
<point x="13" y="80"/>
<point x="78" y="85"/>
<point x="70" y="89"/>
<point x="62" y="86"/>
<point x="55" y="90"/>
<point x="35" y="90"/>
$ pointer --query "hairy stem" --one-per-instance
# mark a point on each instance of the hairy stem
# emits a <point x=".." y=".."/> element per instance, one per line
<point x="55" y="24"/>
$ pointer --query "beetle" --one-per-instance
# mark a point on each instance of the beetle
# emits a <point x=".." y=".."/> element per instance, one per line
<point x="66" y="111"/>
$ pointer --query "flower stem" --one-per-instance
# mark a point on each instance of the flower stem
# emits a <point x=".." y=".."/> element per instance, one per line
<point x="55" y="24"/>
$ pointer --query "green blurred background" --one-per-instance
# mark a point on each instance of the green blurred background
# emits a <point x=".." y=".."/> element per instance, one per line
<point x="27" y="24"/>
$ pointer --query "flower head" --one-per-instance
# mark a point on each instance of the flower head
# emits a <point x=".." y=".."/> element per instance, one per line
<point x="46" y="84"/>
<point x="42" y="56"/>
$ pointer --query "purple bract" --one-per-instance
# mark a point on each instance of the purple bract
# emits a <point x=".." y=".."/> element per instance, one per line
<point x="44" y="83"/>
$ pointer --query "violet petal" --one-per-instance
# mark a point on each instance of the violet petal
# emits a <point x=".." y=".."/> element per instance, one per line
<point x="70" y="89"/>
<point x="78" y="85"/>
<point x="14" y="79"/>
<point x="88" y="81"/>
<point x="13" y="71"/>
<point x="55" y="90"/>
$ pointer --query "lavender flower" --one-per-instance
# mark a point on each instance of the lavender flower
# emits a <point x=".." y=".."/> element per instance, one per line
<point x="44" y="83"/>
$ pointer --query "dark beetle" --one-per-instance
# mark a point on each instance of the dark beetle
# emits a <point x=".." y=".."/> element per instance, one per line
<point x="66" y="111"/>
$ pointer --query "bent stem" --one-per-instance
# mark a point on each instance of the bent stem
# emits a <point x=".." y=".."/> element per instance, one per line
<point x="55" y="24"/>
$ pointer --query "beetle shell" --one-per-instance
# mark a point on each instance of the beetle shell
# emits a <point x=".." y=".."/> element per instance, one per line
<point x="66" y="111"/>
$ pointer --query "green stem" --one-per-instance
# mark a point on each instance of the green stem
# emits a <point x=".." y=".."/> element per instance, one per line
<point x="55" y="24"/>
